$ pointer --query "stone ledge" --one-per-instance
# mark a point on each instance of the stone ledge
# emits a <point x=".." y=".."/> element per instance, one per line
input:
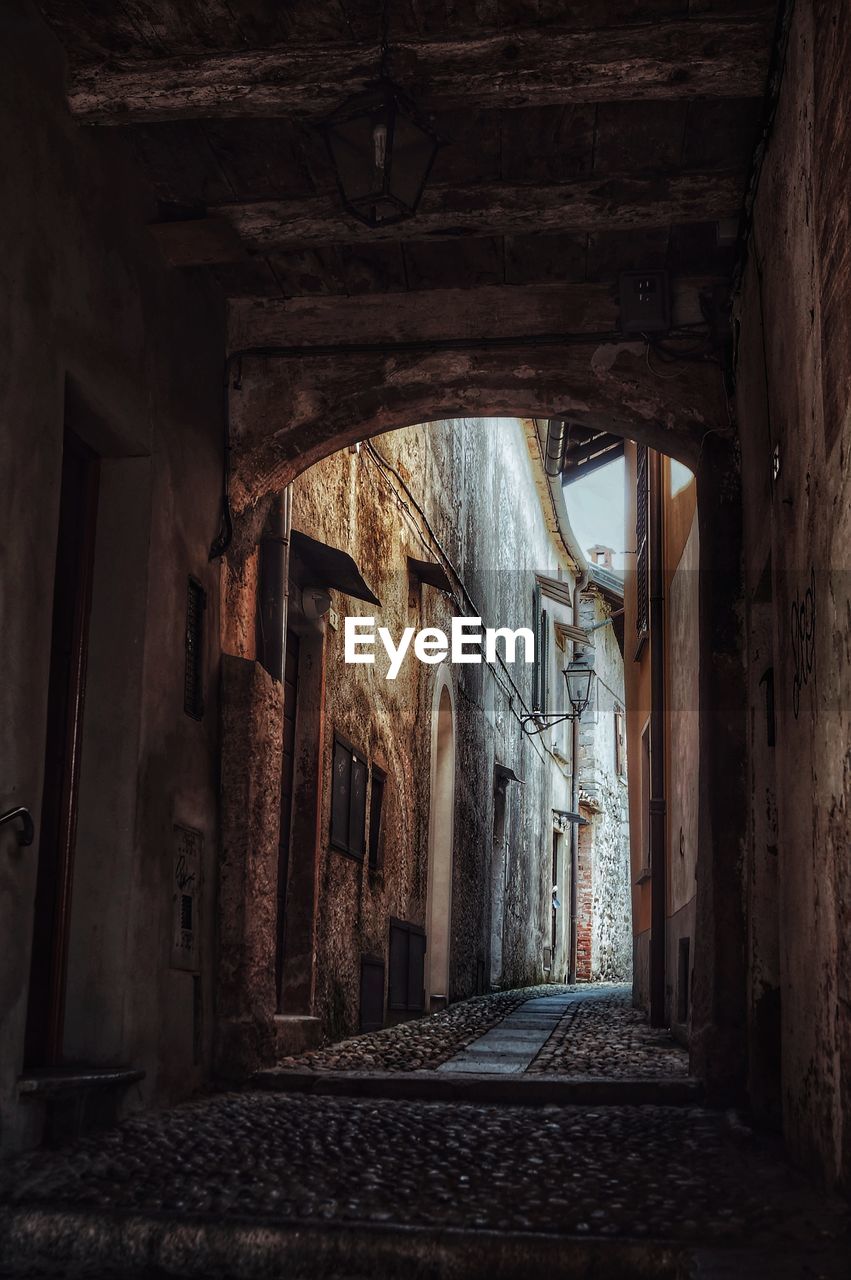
<point x="539" y="1090"/>
<point x="58" y="1081"/>
<point x="109" y="1245"/>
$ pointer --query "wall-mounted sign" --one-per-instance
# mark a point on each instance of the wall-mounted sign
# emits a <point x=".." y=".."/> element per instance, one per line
<point x="186" y="898"/>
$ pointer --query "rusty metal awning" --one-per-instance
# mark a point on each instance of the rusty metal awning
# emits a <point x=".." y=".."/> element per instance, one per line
<point x="431" y="572"/>
<point x="503" y="773"/>
<point x="567" y="815"/>
<point x="326" y="566"/>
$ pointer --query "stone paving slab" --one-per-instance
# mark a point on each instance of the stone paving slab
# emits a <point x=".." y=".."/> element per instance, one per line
<point x="206" y="1184"/>
<point x="426" y="1042"/>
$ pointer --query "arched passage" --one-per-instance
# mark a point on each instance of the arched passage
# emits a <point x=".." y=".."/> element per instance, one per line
<point x="286" y="414"/>
<point x="441" y="839"/>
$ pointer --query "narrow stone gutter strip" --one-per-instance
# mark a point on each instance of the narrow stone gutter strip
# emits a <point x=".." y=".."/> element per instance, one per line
<point x="112" y="1245"/>
<point x="513" y="1090"/>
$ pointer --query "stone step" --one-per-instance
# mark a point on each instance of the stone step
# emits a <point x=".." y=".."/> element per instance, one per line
<point x="296" y="1033"/>
<point x="472" y="1086"/>
<point x="51" y="1244"/>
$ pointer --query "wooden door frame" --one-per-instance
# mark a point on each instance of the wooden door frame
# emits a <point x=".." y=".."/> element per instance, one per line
<point x="73" y="576"/>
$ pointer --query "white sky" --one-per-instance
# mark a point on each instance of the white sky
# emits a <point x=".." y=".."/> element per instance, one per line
<point x="595" y="505"/>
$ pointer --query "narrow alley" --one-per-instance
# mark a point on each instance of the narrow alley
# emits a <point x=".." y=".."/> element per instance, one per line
<point x="425" y="627"/>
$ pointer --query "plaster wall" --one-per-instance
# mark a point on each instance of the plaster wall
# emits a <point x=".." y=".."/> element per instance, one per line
<point x="795" y="429"/>
<point x="603" y="796"/>
<point x="97" y="332"/>
<point x="476" y="487"/>
<point x="681" y="551"/>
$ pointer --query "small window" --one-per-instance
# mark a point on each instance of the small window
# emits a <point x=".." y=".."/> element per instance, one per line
<point x="193" y="671"/>
<point x="620" y="744"/>
<point x="376" y="801"/>
<point x="348" y="799"/>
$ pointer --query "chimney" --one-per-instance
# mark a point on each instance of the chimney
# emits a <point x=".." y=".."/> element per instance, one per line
<point x="601" y="556"/>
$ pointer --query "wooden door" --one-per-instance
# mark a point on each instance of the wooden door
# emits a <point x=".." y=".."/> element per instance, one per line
<point x="72" y="590"/>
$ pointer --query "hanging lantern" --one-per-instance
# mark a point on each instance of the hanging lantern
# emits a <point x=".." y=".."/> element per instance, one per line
<point x="578" y="676"/>
<point x="382" y="150"/>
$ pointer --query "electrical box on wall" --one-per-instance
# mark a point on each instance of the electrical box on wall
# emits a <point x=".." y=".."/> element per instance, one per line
<point x="186" y="898"/>
<point x="645" y="302"/>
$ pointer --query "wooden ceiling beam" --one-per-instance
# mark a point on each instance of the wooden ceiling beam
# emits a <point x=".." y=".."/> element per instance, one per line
<point x="488" y="209"/>
<point x="721" y="57"/>
<point x="440" y="315"/>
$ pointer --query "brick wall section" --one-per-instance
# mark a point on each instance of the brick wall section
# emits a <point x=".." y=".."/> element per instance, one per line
<point x="585" y="905"/>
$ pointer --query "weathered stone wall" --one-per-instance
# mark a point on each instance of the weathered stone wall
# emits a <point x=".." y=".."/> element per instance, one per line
<point x="795" y="440"/>
<point x="474" y="485"/>
<point x="97" y="331"/>
<point x="604" y="941"/>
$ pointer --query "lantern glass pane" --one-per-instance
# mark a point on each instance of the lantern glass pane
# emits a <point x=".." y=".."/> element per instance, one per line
<point x="413" y="153"/>
<point x="578" y="687"/>
<point x="360" y="151"/>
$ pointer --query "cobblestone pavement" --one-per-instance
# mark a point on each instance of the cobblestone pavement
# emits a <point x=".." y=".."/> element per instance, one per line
<point x="424" y="1043"/>
<point x="682" y="1175"/>
<point x="250" y="1185"/>
<point x="601" y="1034"/>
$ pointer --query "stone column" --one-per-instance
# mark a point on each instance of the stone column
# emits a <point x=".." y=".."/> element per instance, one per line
<point x="718" y="1019"/>
<point x="252" y="718"/>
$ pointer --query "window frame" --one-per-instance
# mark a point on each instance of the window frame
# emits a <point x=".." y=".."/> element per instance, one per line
<point x="374" y="842"/>
<point x="345" y="845"/>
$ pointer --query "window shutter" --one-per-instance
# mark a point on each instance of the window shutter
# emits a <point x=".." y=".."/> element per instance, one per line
<point x="536" y="671"/>
<point x="407" y="967"/>
<point x="340" y="795"/>
<point x="357" y="807"/>
<point x="642" y="543"/>
<point x="376" y="802"/>
<point x="545" y="660"/>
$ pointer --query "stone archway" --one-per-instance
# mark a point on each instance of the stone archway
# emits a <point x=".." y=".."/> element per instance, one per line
<point x="288" y="412"/>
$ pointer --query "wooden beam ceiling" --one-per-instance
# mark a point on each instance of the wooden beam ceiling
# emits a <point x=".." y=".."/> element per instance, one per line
<point x="440" y="315"/>
<point x="720" y="57"/>
<point x="489" y="209"/>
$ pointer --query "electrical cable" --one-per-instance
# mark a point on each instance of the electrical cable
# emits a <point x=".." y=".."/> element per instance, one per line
<point x="384" y="466"/>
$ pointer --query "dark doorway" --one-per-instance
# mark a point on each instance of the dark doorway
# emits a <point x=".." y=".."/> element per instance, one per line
<point x="72" y="593"/>
<point x="555" y="892"/>
<point x="287" y="781"/>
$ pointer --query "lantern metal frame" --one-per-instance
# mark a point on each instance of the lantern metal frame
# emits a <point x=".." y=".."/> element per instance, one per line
<point x="543" y="720"/>
<point x="381" y="96"/>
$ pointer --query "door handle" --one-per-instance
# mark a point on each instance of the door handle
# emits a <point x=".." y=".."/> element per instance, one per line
<point x="27" y="833"/>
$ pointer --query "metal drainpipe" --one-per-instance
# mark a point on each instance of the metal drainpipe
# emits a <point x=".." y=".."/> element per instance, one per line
<point x="574" y="852"/>
<point x="581" y="583"/>
<point x="658" y="867"/>
<point x="273" y="586"/>
<point x="554" y="450"/>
